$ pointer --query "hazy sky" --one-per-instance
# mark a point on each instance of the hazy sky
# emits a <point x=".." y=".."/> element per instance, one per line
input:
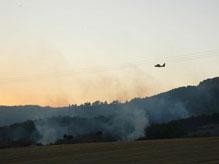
<point x="56" y="52"/>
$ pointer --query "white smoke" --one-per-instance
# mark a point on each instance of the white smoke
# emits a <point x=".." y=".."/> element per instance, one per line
<point x="125" y="121"/>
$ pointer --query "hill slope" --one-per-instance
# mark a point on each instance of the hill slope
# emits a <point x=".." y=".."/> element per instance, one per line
<point x="115" y="121"/>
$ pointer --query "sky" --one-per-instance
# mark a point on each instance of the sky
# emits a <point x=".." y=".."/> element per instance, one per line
<point x="60" y="52"/>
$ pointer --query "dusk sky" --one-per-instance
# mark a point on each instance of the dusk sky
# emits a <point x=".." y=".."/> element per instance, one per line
<point x="60" y="52"/>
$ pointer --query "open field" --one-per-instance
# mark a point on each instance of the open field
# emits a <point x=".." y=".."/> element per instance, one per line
<point x="193" y="150"/>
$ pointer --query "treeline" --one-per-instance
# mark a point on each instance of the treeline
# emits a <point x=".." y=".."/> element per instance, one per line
<point x="197" y="100"/>
<point x="19" y="135"/>
<point x="204" y="125"/>
<point x="26" y="134"/>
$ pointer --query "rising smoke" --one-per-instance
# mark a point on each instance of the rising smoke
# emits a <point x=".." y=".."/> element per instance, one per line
<point x="121" y="121"/>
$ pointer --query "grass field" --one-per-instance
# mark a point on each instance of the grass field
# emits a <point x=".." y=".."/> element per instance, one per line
<point x="194" y="150"/>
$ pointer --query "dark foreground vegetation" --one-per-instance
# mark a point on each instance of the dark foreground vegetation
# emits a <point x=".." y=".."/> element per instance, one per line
<point x="190" y="111"/>
<point x="17" y="135"/>
<point x="199" y="126"/>
<point x="193" y="150"/>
